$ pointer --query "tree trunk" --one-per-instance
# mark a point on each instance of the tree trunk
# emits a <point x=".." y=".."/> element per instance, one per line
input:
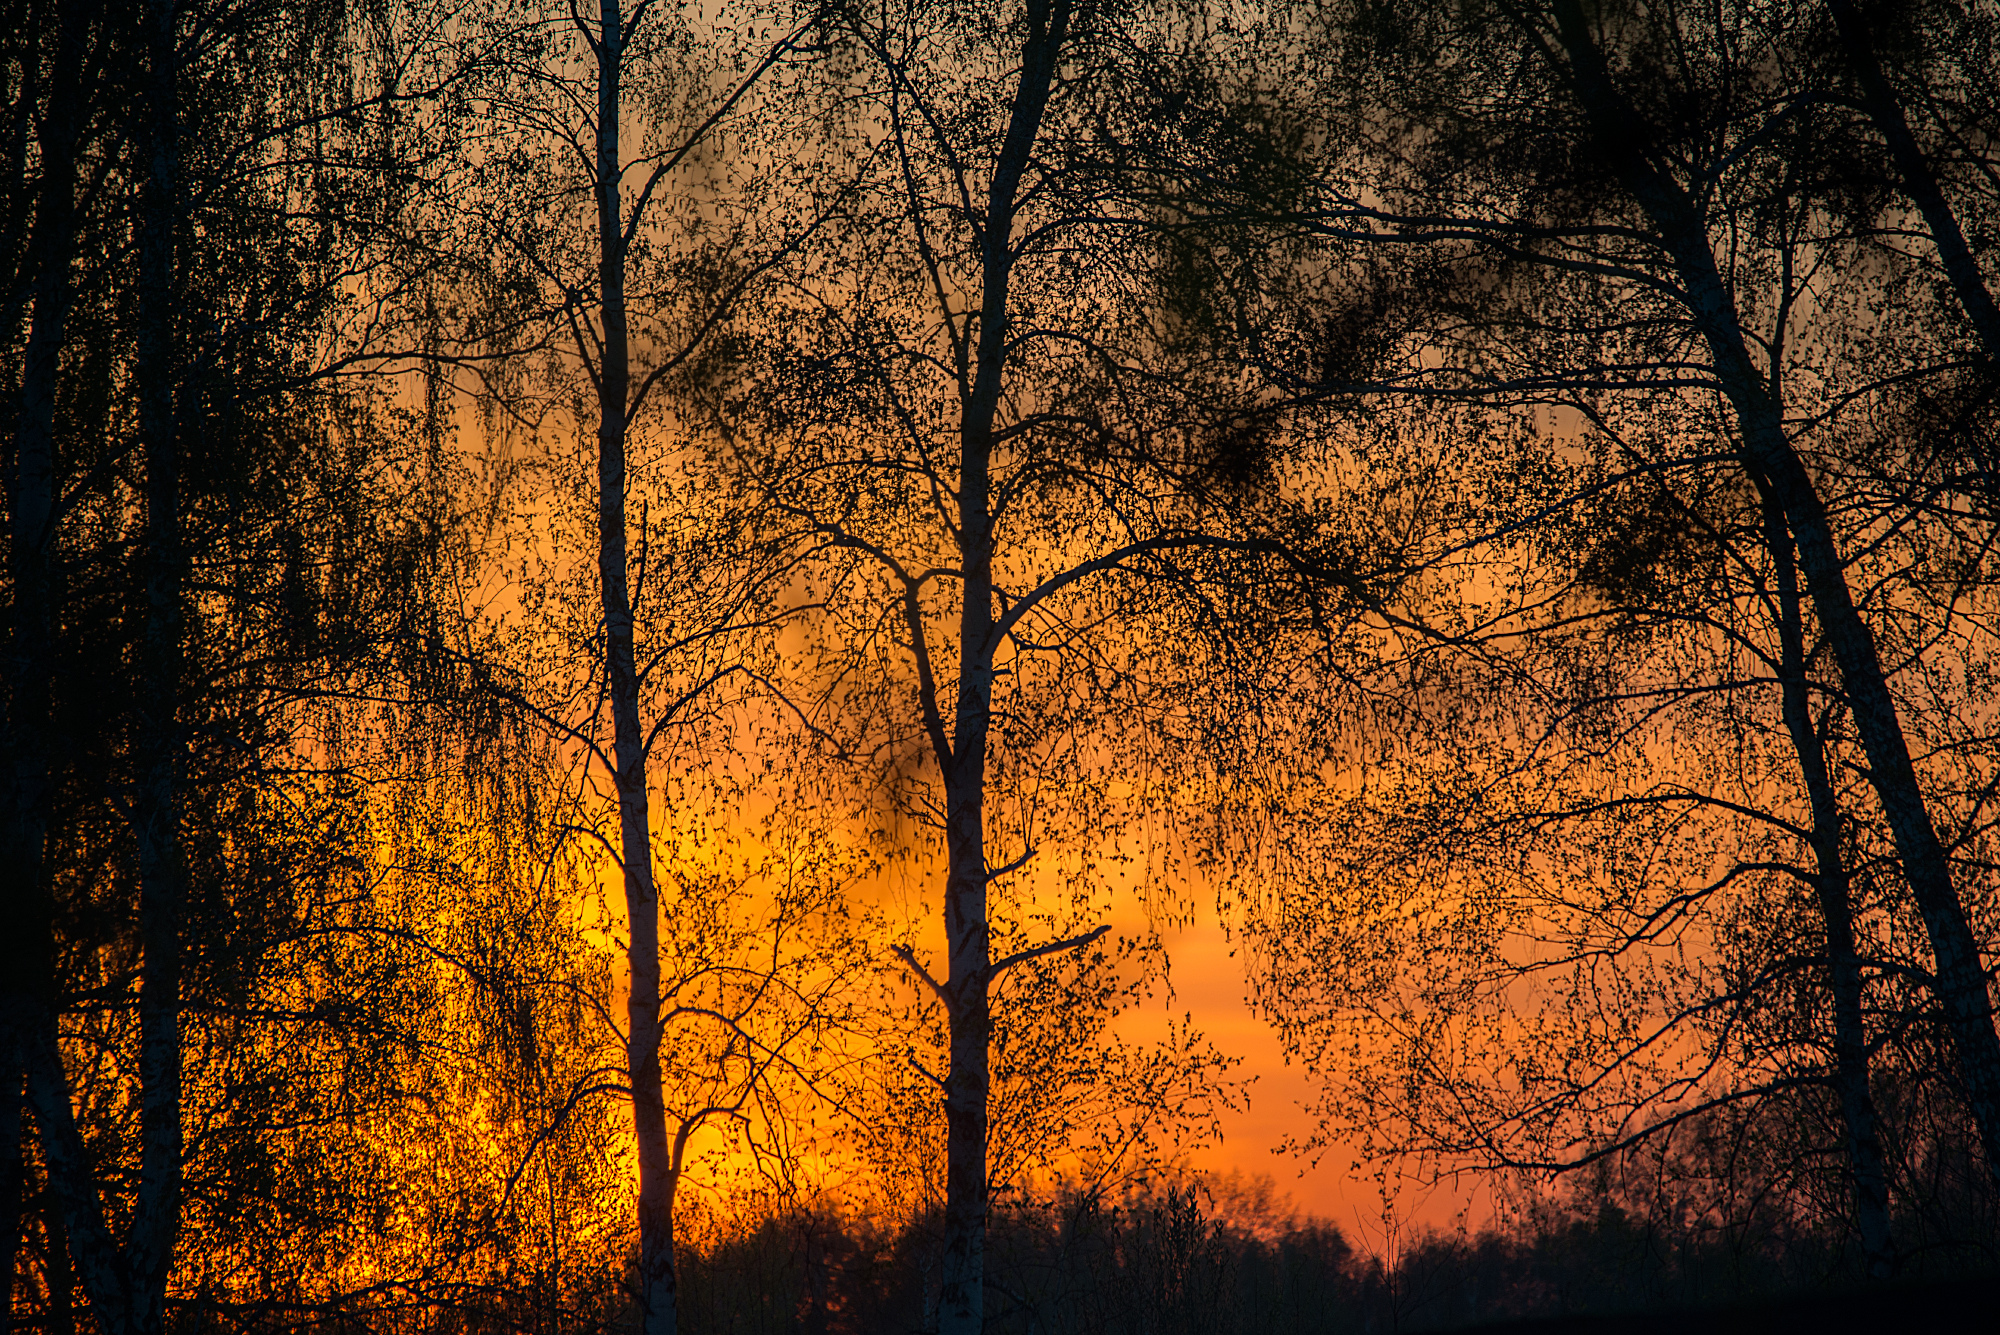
<point x="1767" y="453"/>
<point x="74" y="1216"/>
<point x="13" y="1175"/>
<point x="961" y="1304"/>
<point x="79" y="1222"/>
<point x="1919" y="182"/>
<point x="27" y="942"/>
<point x="1835" y="893"/>
<point x="61" y="1275"/>
<point x="961" y="1300"/>
<point x="656" y="1277"/>
<point x="127" y="1283"/>
<point x="157" y="764"/>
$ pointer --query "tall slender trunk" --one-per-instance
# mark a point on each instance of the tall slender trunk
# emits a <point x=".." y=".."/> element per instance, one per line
<point x="961" y="1304"/>
<point x="157" y="760"/>
<point x="1767" y="453"/>
<point x="27" y="667"/>
<point x="127" y="1282"/>
<point x="13" y="1176"/>
<point x="961" y="1301"/>
<point x="1834" y="890"/>
<point x="968" y="1080"/>
<point x="1920" y="184"/>
<point x="656" y="1277"/>
<point x="27" y="931"/>
<point x="61" y="1275"/>
<point x="72" y="1211"/>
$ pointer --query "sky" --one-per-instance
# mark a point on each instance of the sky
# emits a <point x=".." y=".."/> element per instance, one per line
<point x="1209" y="984"/>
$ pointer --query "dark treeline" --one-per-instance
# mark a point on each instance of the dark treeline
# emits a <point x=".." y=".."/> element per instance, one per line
<point x="1225" y="1256"/>
<point x="603" y="606"/>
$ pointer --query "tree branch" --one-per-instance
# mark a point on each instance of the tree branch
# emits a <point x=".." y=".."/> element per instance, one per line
<point x="1035" y="952"/>
<point x="909" y="958"/>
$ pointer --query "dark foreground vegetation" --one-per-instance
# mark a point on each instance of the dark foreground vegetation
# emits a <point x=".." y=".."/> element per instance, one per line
<point x="1179" y="1262"/>
<point x="1724" y="1231"/>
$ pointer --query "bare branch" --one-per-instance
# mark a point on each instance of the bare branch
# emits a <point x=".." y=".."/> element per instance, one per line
<point x="909" y="957"/>
<point x="1053" y="947"/>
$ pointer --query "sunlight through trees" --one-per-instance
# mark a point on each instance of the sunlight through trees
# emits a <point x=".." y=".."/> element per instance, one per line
<point x="630" y="626"/>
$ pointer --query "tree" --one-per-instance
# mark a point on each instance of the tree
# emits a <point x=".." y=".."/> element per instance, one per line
<point x="1563" y="248"/>
<point x="614" y="283"/>
<point x="1768" y="455"/>
<point x="189" y="504"/>
<point x="1913" y="170"/>
<point x="1033" y="505"/>
<point x="60" y="62"/>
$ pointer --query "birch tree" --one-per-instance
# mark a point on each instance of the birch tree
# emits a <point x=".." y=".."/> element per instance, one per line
<point x="1033" y="506"/>
<point x="624" y="202"/>
<point x="166" y="406"/>
<point x="1768" y="455"/>
<point x="58" y="109"/>
<point x="1672" y="249"/>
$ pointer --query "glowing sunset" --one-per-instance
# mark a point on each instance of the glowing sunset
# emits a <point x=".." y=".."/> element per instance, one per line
<point x="1041" y="667"/>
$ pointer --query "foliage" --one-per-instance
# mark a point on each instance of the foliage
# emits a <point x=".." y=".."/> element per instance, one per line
<point x="543" y="548"/>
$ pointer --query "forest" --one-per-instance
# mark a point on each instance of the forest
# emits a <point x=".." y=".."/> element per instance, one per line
<point x="632" y="626"/>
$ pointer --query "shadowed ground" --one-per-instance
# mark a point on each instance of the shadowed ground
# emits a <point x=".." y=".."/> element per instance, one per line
<point x="1943" y="1308"/>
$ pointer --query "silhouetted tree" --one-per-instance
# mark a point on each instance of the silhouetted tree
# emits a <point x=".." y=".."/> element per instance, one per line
<point x="1530" y="212"/>
<point x="1036" y="507"/>
<point x="204" y="539"/>
<point x="602" y="278"/>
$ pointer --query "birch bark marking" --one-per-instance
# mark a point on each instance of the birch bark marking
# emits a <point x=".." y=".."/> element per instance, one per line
<point x="1766" y="453"/>
<point x="961" y="1299"/>
<point x="658" y="1313"/>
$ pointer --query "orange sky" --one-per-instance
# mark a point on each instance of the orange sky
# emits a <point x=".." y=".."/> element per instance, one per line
<point x="1209" y="984"/>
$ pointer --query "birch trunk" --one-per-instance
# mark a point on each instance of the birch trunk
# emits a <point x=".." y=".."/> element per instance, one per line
<point x="1834" y="889"/>
<point x="12" y="1174"/>
<point x="658" y="1312"/>
<point x="26" y="911"/>
<point x="1766" y="453"/>
<point x="1920" y="184"/>
<point x="127" y="1281"/>
<point x="27" y="933"/>
<point x="961" y="1304"/>
<point x="156" y="801"/>
<point x="1919" y="181"/>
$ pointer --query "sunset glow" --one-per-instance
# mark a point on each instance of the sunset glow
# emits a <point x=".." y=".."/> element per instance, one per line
<point x="1296" y="667"/>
